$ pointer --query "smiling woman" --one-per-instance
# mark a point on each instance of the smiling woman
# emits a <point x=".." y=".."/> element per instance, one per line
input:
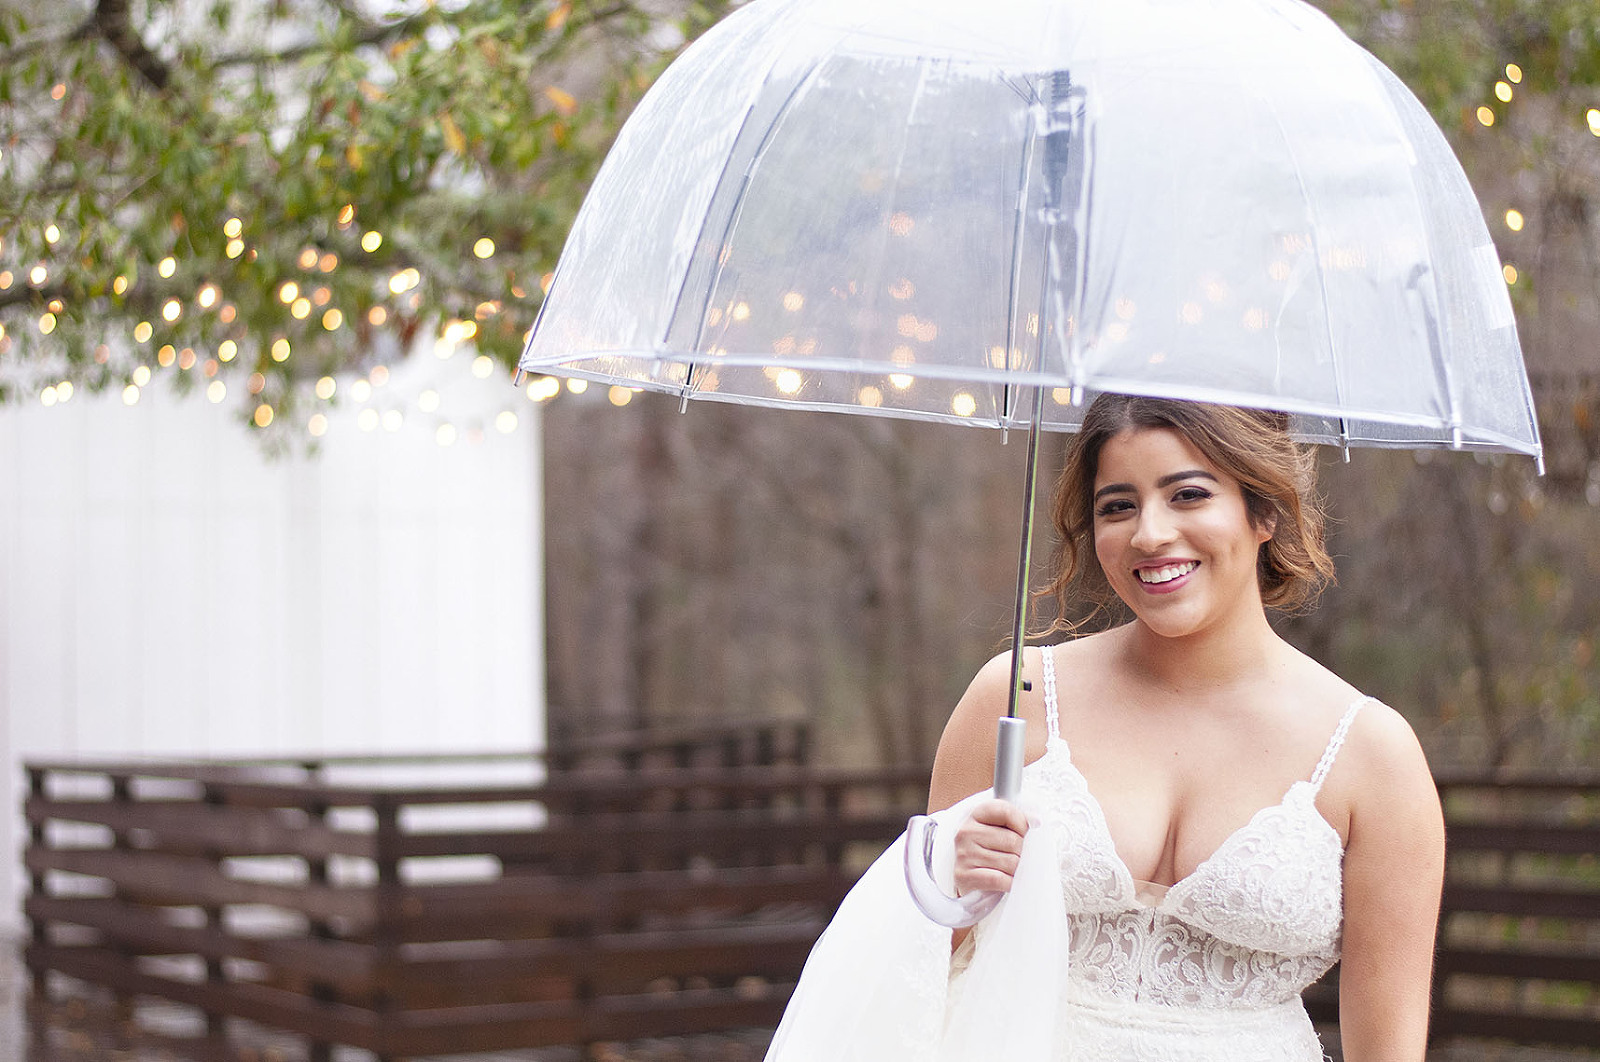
<point x="1208" y="819"/>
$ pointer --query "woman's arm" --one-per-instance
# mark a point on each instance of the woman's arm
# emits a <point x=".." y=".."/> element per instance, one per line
<point x="988" y="844"/>
<point x="1393" y="874"/>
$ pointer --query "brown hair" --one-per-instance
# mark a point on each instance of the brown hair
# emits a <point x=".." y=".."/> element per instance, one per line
<point x="1278" y="477"/>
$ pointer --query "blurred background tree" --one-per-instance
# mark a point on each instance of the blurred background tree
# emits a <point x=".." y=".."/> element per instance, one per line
<point x="253" y="196"/>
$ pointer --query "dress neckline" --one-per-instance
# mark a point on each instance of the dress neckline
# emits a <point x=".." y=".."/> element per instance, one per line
<point x="1129" y="883"/>
<point x="1054" y="742"/>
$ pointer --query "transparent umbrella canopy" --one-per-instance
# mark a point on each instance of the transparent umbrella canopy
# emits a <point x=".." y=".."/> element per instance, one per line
<point x="978" y="213"/>
<point x="940" y="210"/>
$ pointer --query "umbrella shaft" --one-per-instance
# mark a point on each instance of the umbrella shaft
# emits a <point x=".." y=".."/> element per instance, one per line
<point x="1024" y="560"/>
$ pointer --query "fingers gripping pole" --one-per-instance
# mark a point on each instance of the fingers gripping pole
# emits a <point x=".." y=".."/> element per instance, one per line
<point x="922" y="835"/>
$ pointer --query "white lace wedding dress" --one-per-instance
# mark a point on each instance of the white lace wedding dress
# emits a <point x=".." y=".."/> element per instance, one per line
<point x="1081" y="963"/>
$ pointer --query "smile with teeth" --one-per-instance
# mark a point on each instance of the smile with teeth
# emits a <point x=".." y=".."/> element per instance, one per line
<point x="1166" y="573"/>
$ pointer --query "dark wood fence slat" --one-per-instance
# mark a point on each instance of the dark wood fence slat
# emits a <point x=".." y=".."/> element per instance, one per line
<point x="675" y="884"/>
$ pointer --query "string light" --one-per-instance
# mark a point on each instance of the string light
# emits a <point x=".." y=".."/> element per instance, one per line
<point x="482" y="366"/>
<point x="38" y="275"/>
<point x="484" y="248"/>
<point x="141" y="375"/>
<point x="47" y="323"/>
<point x="130" y="394"/>
<point x="227" y="349"/>
<point x="347" y="214"/>
<point x="235" y="248"/>
<point x="506" y="422"/>
<point x="317" y="425"/>
<point x="263" y="415"/>
<point x="207" y="296"/>
<point x="52" y="235"/>
<point x="1514" y="220"/>
<point x="1514" y="73"/>
<point x="288" y="292"/>
<point x="332" y="320"/>
<point x="1593" y="118"/>
<point x="1510" y="272"/>
<point x="371" y="241"/>
<point x="1485" y="117"/>
<point x="577" y="386"/>
<point x="361" y="390"/>
<point x="171" y="310"/>
<point x="119" y="286"/>
<point x="326" y="388"/>
<point x="166" y="267"/>
<point x="280" y="349"/>
<point x="142" y="332"/>
<point x="1502" y="92"/>
<point x="216" y="390"/>
<point x="232" y="227"/>
<point x="166" y="355"/>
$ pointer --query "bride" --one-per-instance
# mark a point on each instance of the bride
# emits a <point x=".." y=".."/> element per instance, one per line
<point x="1208" y="821"/>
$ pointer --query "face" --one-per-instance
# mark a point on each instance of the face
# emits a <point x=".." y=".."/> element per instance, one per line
<point x="1173" y="534"/>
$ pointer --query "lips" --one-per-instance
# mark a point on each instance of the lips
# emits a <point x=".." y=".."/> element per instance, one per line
<point x="1165" y="575"/>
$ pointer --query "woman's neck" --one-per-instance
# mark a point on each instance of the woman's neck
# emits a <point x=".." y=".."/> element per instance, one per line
<point x="1221" y="657"/>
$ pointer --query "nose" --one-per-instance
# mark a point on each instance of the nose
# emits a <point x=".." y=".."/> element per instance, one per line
<point x="1153" y="530"/>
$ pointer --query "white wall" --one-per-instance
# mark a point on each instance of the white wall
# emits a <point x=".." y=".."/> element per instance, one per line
<point x="168" y="587"/>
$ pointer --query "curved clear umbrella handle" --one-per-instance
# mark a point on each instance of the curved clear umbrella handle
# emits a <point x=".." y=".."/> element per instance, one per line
<point x="959" y="912"/>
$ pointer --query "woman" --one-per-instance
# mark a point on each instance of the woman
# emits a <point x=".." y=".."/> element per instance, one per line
<point x="1242" y="815"/>
<point x="1215" y="817"/>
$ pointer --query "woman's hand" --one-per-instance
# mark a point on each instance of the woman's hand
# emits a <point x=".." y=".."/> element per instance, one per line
<point x="988" y="846"/>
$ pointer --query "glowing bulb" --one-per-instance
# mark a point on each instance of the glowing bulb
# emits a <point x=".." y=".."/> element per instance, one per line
<point x="235" y="248"/>
<point x="207" y="297"/>
<point x="793" y="301"/>
<point x="506" y="422"/>
<point x="256" y="384"/>
<point x="963" y="404"/>
<point x="1593" y="118"/>
<point x="482" y="366"/>
<point x="361" y="390"/>
<point x="47" y="323"/>
<point x="870" y="397"/>
<point x="1514" y="220"/>
<point x="167" y="266"/>
<point x="216" y="390"/>
<point x="377" y="315"/>
<point x="64" y="391"/>
<point x="130" y="395"/>
<point x="300" y="309"/>
<point x="47" y="397"/>
<point x="788" y="382"/>
<point x="371" y="241"/>
<point x="619" y="396"/>
<point x="577" y="386"/>
<point x="280" y="349"/>
<point x="379" y="375"/>
<point x="142" y="332"/>
<point x="119" y="286"/>
<point x="308" y="258"/>
<point x="232" y="227"/>
<point x="326" y="387"/>
<point x="227" y="349"/>
<point x="1502" y="92"/>
<point x="900" y="381"/>
<point x="52" y="234"/>
<point x="1510" y="273"/>
<point x="1514" y="73"/>
<point x="484" y="248"/>
<point x="171" y="310"/>
<point x="141" y="375"/>
<point x="347" y="213"/>
<point x="317" y="425"/>
<point x="1485" y="117"/>
<point x="288" y="292"/>
<point x="263" y="415"/>
<point x="38" y="275"/>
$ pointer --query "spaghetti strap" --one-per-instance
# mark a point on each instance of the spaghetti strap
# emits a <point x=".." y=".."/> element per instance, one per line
<point x="1052" y="709"/>
<point x="1335" y="743"/>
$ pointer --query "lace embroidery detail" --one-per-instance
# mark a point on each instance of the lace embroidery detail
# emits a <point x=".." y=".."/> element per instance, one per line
<point x="1251" y="927"/>
<point x="1052" y="709"/>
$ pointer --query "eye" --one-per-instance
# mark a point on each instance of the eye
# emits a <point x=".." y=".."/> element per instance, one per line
<point x="1191" y="494"/>
<point x="1114" y="507"/>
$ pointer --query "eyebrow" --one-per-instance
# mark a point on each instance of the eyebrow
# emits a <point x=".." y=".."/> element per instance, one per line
<point x="1165" y="481"/>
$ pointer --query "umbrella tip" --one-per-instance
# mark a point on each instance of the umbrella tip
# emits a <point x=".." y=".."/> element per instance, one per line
<point x="516" y="377"/>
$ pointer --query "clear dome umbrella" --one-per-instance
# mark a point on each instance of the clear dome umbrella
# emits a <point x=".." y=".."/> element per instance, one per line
<point x="979" y="213"/>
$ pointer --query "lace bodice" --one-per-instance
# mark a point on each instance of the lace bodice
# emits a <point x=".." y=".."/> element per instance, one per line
<point x="1252" y="926"/>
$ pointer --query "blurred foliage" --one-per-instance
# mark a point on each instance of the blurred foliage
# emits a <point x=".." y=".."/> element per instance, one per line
<point x="208" y="175"/>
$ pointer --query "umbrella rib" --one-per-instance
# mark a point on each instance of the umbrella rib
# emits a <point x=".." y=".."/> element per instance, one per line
<point x="1019" y="231"/>
<point x="734" y="210"/>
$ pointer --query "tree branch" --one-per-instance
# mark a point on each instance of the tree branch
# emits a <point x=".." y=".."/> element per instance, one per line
<point x="111" y="22"/>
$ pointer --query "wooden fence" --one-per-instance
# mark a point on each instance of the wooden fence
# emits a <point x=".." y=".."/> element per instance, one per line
<point x="465" y="904"/>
